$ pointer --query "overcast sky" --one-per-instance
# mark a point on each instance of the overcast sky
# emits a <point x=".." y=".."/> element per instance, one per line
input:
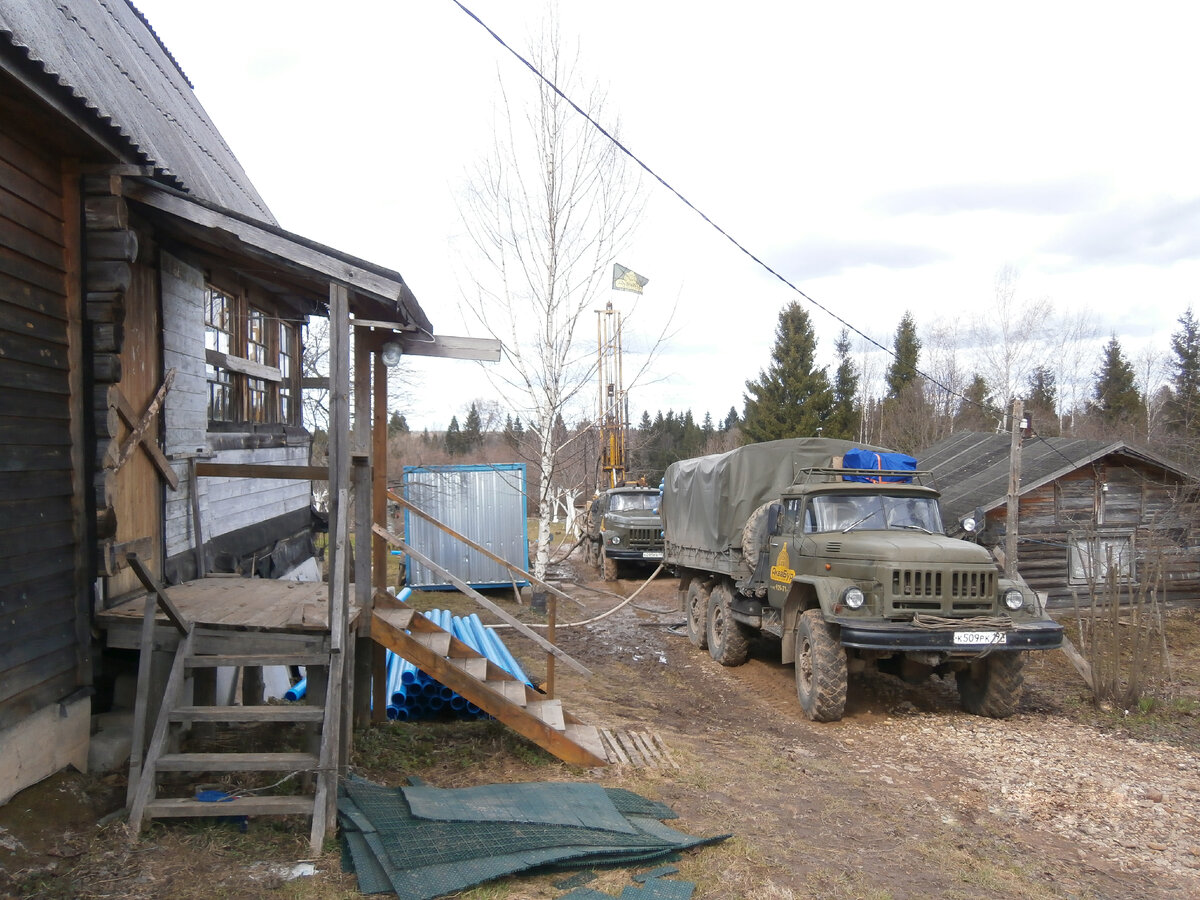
<point x="883" y="157"/>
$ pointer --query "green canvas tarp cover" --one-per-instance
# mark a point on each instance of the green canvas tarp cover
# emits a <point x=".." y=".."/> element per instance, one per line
<point x="422" y="842"/>
<point x="707" y="500"/>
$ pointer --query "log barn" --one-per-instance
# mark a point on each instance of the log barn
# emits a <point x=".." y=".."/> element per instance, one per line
<point x="1084" y="507"/>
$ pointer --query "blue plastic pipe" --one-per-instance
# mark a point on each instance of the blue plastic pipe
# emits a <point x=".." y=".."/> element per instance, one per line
<point x="297" y="690"/>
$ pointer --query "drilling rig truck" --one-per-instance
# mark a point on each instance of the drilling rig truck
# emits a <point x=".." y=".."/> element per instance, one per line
<point x="837" y="551"/>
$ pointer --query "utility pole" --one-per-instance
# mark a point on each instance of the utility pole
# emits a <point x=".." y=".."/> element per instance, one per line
<point x="1017" y="424"/>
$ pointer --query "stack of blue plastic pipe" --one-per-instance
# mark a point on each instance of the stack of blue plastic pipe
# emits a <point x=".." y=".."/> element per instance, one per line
<point x="414" y="694"/>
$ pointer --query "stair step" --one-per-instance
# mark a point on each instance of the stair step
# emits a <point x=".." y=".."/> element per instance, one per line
<point x="437" y="641"/>
<point x="260" y="659"/>
<point x="549" y="711"/>
<point x="587" y="737"/>
<point x="475" y="666"/>
<point x="512" y="691"/>
<point x="397" y="618"/>
<point x="238" y="762"/>
<point x="293" y="712"/>
<point x="169" y="808"/>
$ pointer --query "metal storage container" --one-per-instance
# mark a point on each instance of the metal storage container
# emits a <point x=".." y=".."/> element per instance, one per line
<point x="484" y="503"/>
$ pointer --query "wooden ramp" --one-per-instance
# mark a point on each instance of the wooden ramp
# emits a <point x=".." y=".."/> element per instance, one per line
<point x="412" y="636"/>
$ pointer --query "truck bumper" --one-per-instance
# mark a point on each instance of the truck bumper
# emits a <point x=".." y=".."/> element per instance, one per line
<point x="965" y="642"/>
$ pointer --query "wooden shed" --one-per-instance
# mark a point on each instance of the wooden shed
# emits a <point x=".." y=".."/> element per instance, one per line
<point x="1085" y="506"/>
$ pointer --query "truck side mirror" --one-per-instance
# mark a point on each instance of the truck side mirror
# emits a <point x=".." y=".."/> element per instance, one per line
<point x="773" y="513"/>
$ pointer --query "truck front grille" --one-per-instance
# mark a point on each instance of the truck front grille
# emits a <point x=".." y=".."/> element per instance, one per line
<point x="645" y="537"/>
<point x="933" y="589"/>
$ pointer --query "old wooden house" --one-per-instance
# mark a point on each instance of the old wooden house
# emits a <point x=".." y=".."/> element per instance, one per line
<point x="152" y="317"/>
<point x="1086" y="508"/>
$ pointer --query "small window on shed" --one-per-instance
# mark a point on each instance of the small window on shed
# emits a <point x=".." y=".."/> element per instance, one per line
<point x="218" y="336"/>
<point x="1094" y="557"/>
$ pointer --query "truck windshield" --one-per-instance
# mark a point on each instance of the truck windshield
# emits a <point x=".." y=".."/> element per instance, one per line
<point x="873" y="512"/>
<point x="625" y="502"/>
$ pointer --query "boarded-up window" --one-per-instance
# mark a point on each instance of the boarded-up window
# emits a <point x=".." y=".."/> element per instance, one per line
<point x="1094" y="556"/>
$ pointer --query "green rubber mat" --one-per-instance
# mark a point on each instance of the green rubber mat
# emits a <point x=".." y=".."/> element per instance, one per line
<point x="583" y="805"/>
<point x="394" y="850"/>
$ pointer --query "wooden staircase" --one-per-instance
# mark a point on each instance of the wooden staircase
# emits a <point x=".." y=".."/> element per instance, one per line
<point x="410" y="635"/>
<point x="198" y="649"/>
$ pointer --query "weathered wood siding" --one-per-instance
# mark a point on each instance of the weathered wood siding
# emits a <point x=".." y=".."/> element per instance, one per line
<point x="43" y="603"/>
<point x="255" y="512"/>
<point x="1157" y="511"/>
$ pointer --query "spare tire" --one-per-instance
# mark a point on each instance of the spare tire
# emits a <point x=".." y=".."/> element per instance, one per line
<point x="754" y="534"/>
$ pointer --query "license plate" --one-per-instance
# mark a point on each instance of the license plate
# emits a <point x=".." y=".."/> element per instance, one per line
<point x="976" y="638"/>
<point x="651" y="554"/>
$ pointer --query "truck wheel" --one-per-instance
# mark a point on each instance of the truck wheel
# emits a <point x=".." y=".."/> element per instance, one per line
<point x="609" y="566"/>
<point x="728" y="640"/>
<point x="992" y="686"/>
<point x="821" y="675"/>
<point x="696" y="607"/>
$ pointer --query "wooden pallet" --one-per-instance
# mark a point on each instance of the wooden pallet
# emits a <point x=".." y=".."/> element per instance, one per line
<point x="411" y="636"/>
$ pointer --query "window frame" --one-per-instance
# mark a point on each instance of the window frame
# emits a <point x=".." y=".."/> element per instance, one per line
<point x="260" y="392"/>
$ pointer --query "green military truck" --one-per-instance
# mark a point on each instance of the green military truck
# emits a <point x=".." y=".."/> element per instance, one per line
<point x="622" y="527"/>
<point x="849" y="569"/>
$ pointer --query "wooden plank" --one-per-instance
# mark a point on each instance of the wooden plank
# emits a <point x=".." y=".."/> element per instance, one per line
<point x="549" y="711"/>
<point x="146" y="779"/>
<point x="630" y="749"/>
<point x="243" y="366"/>
<point x="258" y="659"/>
<point x="141" y="701"/>
<point x="614" y="746"/>
<point x="149" y="443"/>
<point x="237" y="762"/>
<point x="22" y="268"/>
<point x="139" y="430"/>
<point x="260" y="470"/>
<point x="164" y="602"/>
<point x="271" y="713"/>
<point x="183" y="807"/>
<point x="486" y="603"/>
<point x="35" y="192"/>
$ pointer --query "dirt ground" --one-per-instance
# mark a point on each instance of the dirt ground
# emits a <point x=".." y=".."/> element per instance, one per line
<point x="906" y="797"/>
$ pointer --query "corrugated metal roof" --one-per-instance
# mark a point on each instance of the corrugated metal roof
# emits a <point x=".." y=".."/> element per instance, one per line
<point x="971" y="469"/>
<point x="104" y="61"/>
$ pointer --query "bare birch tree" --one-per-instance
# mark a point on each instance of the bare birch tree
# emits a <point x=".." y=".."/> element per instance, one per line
<point x="1012" y="339"/>
<point x="546" y="212"/>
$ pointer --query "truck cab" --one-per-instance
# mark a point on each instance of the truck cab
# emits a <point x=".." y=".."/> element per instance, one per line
<point x="867" y="569"/>
<point x="623" y="527"/>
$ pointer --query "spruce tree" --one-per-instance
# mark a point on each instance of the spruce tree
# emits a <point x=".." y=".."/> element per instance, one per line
<point x="1117" y="402"/>
<point x="1041" y="401"/>
<point x="1183" y="411"/>
<point x="731" y="420"/>
<point x="472" y="436"/>
<point x="843" y="419"/>
<point x="791" y="397"/>
<point x="454" y="437"/>
<point x="907" y="349"/>
<point x="974" y="409"/>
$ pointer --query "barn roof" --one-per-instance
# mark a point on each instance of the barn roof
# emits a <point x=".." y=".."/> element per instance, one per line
<point x="971" y="469"/>
<point x="100" y="62"/>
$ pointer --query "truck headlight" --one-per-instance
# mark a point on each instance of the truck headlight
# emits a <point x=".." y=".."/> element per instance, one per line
<point x="615" y="539"/>
<point x="853" y="597"/>
<point x="1014" y="599"/>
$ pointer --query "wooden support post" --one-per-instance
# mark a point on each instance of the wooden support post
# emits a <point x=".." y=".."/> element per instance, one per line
<point x="551" y="623"/>
<point x="1014" y="490"/>
<point x="197" y="531"/>
<point x="360" y="672"/>
<point x="324" y="804"/>
<point x="379" y="549"/>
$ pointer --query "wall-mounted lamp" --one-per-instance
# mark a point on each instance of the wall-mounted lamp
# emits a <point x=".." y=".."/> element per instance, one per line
<point x="391" y="354"/>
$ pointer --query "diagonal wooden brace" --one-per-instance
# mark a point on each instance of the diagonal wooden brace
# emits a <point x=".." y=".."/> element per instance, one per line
<point x="130" y="417"/>
<point x="150" y="583"/>
<point x="139" y="430"/>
